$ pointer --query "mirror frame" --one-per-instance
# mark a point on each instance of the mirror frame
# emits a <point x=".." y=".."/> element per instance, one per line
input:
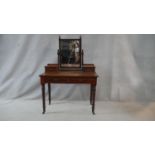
<point x="64" y="54"/>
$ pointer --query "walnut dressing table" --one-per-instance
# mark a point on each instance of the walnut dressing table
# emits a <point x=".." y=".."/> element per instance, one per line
<point x="53" y="75"/>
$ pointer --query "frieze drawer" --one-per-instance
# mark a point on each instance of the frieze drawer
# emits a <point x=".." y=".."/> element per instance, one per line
<point x="70" y="80"/>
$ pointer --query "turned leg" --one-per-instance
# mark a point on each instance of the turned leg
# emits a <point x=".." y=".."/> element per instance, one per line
<point x="43" y="98"/>
<point x="93" y="99"/>
<point x="49" y="92"/>
<point x="91" y="93"/>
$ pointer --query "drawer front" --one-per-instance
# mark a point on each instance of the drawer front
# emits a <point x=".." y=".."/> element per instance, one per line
<point x="70" y="80"/>
<point x="89" y="69"/>
<point x="50" y="69"/>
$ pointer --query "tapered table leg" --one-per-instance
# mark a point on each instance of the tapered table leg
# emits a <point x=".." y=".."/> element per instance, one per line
<point x="43" y="98"/>
<point x="91" y="93"/>
<point x="49" y="92"/>
<point x="93" y="99"/>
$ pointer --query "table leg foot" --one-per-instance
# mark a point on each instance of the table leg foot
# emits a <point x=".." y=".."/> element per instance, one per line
<point x="93" y="110"/>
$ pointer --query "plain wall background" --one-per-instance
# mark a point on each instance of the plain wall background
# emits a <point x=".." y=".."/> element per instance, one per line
<point x="125" y="65"/>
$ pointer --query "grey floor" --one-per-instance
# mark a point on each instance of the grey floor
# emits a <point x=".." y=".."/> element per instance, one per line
<point x="31" y="110"/>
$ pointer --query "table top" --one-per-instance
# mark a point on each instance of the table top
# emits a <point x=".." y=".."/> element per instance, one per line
<point x="71" y="74"/>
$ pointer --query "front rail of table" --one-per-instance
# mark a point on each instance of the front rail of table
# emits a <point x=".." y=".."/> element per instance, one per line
<point x="53" y="75"/>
